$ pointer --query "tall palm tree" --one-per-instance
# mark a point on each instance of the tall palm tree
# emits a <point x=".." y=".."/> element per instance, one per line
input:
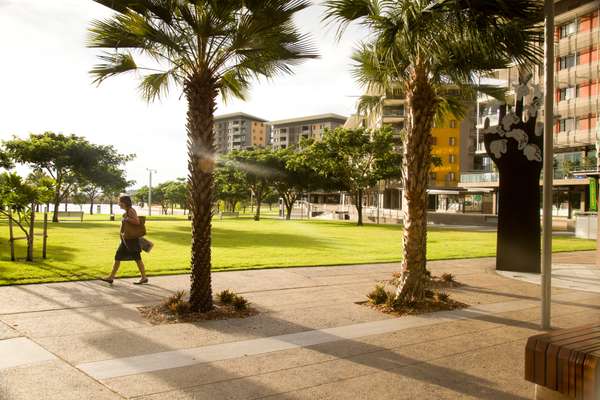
<point x="207" y="48"/>
<point x="425" y="47"/>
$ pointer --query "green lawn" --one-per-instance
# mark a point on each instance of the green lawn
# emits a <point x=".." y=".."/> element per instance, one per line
<point x="85" y="250"/>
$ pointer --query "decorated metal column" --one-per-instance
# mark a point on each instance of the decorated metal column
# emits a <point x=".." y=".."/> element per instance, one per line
<point x="515" y="146"/>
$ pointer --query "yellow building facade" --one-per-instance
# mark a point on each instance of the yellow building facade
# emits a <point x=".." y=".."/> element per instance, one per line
<point x="446" y="147"/>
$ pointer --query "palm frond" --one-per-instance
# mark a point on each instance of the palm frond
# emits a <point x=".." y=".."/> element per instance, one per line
<point x="115" y="64"/>
<point x="344" y="12"/>
<point x="234" y="83"/>
<point x="368" y="104"/>
<point x="155" y="86"/>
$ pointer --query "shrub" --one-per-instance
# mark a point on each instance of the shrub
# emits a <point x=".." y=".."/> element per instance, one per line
<point x="176" y="298"/>
<point x="448" y="278"/>
<point x="443" y="297"/>
<point x="226" y="296"/>
<point x="239" y="303"/>
<point x="180" y="308"/>
<point x="378" y="295"/>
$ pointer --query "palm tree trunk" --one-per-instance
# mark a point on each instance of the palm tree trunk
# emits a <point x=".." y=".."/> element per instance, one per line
<point x="416" y="164"/>
<point x="201" y="94"/>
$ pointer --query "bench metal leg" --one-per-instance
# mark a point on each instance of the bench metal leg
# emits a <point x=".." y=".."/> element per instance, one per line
<point x="543" y="393"/>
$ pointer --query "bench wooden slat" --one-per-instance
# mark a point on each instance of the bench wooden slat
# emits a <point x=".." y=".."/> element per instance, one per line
<point x="530" y="359"/>
<point x="552" y="359"/>
<point x="540" y="362"/>
<point x="590" y="376"/>
<point x="567" y="361"/>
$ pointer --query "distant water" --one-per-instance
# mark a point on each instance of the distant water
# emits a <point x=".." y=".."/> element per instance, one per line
<point x="105" y="209"/>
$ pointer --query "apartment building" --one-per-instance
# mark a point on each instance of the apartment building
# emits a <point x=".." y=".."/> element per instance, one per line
<point x="289" y="132"/>
<point x="450" y="138"/>
<point x="577" y="100"/>
<point x="238" y="131"/>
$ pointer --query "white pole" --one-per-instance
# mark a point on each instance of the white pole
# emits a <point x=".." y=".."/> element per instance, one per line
<point x="548" y="161"/>
<point x="150" y="190"/>
<point x="150" y="194"/>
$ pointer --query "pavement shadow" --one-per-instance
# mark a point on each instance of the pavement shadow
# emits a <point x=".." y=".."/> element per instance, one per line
<point x="379" y="359"/>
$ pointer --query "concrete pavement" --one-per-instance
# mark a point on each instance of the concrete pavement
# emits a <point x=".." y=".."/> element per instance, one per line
<point x="86" y="340"/>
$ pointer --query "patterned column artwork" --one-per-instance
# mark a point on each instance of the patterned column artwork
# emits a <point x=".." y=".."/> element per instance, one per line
<point x="515" y="146"/>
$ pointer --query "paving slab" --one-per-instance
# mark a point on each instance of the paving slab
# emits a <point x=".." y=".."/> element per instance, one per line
<point x="310" y="341"/>
<point x="6" y="332"/>
<point x="52" y="380"/>
<point x="22" y="351"/>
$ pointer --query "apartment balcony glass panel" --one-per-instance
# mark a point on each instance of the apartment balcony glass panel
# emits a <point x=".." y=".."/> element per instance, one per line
<point x="479" y="177"/>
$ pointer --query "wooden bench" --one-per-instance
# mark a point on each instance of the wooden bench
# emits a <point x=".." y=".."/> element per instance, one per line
<point x="564" y="363"/>
<point x="229" y="214"/>
<point x="70" y="214"/>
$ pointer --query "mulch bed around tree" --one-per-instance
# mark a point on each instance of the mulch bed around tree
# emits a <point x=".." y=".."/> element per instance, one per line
<point x="436" y="285"/>
<point x="427" y="306"/>
<point x="160" y="314"/>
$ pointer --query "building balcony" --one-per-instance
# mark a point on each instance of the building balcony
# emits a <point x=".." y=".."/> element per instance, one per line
<point x="392" y="119"/>
<point x="478" y="177"/>
<point x="393" y="101"/>
<point x="575" y="138"/>
<point x="577" y="106"/>
<point x="576" y="42"/>
<point x="578" y="74"/>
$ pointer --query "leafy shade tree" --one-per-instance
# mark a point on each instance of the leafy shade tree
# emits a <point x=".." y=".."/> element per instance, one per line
<point x="42" y="179"/>
<point x="159" y="196"/>
<point x="5" y="161"/>
<point x="105" y="180"/>
<point x="208" y="48"/>
<point x="141" y="196"/>
<point x="66" y="159"/>
<point x="176" y="193"/>
<point x="230" y="185"/>
<point x="420" y="47"/>
<point x="296" y="175"/>
<point x="19" y="198"/>
<point x="356" y="158"/>
<point x="260" y="168"/>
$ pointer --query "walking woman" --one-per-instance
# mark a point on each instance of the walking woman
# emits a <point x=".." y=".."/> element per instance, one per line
<point x="129" y="249"/>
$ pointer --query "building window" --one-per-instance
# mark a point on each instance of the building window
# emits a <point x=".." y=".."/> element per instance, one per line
<point x="451" y="177"/>
<point x="451" y="158"/>
<point x="433" y="141"/>
<point x="568" y="61"/>
<point x="393" y="111"/>
<point x="452" y="141"/>
<point x="568" y="29"/>
<point x="453" y="123"/>
<point x="566" y="124"/>
<point x="568" y="93"/>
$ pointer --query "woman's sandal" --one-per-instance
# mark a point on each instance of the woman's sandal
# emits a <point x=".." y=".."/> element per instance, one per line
<point x="141" y="281"/>
<point x="107" y="280"/>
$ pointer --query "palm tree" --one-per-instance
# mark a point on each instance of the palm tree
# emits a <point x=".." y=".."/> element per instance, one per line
<point x="432" y="51"/>
<point x="207" y="48"/>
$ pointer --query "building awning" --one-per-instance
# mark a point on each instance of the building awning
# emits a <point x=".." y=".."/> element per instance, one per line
<point x="438" y="191"/>
<point x="480" y="190"/>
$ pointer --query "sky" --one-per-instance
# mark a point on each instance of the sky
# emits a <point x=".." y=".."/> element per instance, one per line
<point x="45" y="86"/>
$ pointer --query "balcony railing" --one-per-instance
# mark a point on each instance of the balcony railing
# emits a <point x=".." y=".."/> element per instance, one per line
<point x="479" y="177"/>
<point x="575" y="138"/>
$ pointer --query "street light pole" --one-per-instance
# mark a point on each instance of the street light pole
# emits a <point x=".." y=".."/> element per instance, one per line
<point x="150" y="171"/>
<point x="548" y="161"/>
